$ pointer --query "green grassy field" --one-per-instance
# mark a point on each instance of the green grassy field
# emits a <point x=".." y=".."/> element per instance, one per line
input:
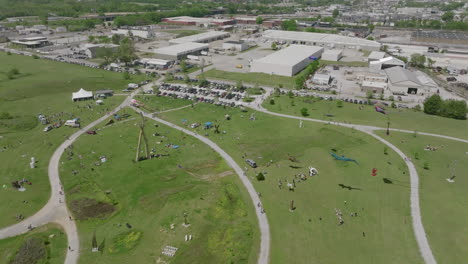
<point x="252" y="78"/>
<point x="161" y="103"/>
<point x="443" y="204"/>
<point x="399" y="118"/>
<point x="311" y="233"/>
<point x="48" y="241"/>
<point x="153" y="194"/>
<point x="41" y="87"/>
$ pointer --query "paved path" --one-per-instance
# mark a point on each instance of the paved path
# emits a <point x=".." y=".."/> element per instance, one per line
<point x="262" y="219"/>
<point x="55" y="211"/>
<point x="418" y="227"/>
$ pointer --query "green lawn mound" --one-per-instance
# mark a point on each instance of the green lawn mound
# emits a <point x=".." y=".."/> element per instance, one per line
<point x="31" y="252"/>
<point x="86" y="208"/>
<point x="125" y="242"/>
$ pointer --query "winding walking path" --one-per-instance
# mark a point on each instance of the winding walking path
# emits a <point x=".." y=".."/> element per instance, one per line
<point x="418" y="227"/>
<point x="56" y="211"/>
<point x="263" y="257"/>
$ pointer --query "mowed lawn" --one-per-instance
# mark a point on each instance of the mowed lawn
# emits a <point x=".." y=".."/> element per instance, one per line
<point x="251" y="78"/>
<point x="380" y="233"/>
<point x="154" y="194"/>
<point x="153" y="103"/>
<point x="41" y="87"/>
<point x="49" y="241"/>
<point x="443" y="204"/>
<point x="399" y="118"/>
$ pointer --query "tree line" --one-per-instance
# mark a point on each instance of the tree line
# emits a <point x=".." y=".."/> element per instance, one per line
<point x="450" y="108"/>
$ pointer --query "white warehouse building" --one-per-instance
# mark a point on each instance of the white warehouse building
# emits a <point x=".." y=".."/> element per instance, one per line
<point x="204" y="37"/>
<point x="288" y="61"/>
<point x="180" y="51"/>
<point x="322" y="40"/>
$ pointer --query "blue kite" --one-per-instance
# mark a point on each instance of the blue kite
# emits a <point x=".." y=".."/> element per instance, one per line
<point x="343" y="158"/>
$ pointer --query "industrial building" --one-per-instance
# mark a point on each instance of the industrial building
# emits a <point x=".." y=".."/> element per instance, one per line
<point x="91" y="50"/>
<point x="180" y="51"/>
<point x="33" y="42"/>
<point x="198" y="21"/>
<point x="141" y="32"/>
<point x="158" y="64"/>
<point x="322" y="40"/>
<point x="402" y="82"/>
<point x="205" y="37"/>
<point x="440" y="37"/>
<point x="321" y="79"/>
<point x="235" y="45"/>
<point x="288" y="61"/>
<point x="332" y="55"/>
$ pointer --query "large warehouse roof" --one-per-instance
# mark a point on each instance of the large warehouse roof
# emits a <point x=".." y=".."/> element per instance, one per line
<point x="291" y="55"/>
<point x="318" y="37"/>
<point x="202" y="37"/>
<point x="181" y="48"/>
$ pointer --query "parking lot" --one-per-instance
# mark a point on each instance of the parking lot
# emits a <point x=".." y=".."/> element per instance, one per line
<point x="215" y="93"/>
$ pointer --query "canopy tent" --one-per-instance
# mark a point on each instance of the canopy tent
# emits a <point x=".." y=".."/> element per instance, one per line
<point x="82" y="94"/>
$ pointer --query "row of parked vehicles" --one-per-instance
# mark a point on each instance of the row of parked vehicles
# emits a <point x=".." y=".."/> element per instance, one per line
<point x="214" y="93"/>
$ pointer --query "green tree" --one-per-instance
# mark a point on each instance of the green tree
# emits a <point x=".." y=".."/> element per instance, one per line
<point x="274" y="46"/>
<point x="260" y="176"/>
<point x="105" y="53"/>
<point x="393" y="105"/>
<point x="183" y="66"/>
<point x="418" y="60"/>
<point x="430" y="62"/>
<point x="335" y="13"/>
<point x="202" y="82"/>
<point x="290" y="94"/>
<point x="370" y="38"/>
<point x="448" y="16"/>
<point x="371" y="27"/>
<point x="272" y="101"/>
<point x="369" y="95"/>
<point x="289" y="25"/>
<point x="259" y="20"/>
<point x="454" y="109"/>
<point x="126" y="76"/>
<point x="304" y="111"/>
<point x="385" y="150"/>
<point x="239" y="85"/>
<point x="426" y="165"/>
<point x="339" y="103"/>
<point x="126" y="51"/>
<point x="91" y="39"/>
<point x="433" y="105"/>
<point x="116" y="39"/>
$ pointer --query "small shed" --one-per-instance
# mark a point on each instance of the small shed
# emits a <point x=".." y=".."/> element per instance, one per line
<point x="82" y="94"/>
<point x="322" y="79"/>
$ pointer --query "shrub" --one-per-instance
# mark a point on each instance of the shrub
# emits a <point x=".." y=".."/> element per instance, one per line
<point x="339" y="103"/>
<point x="35" y="57"/>
<point x="290" y="94"/>
<point x="385" y="150"/>
<point x="126" y="76"/>
<point x="416" y="155"/>
<point x="393" y="105"/>
<point x="304" y="112"/>
<point x="272" y="101"/>
<point x="391" y="98"/>
<point x="8" y="53"/>
<point x="426" y="165"/>
<point x="260" y="177"/>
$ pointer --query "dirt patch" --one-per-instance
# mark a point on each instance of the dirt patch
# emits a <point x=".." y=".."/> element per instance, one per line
<point x="30" y="252"/>
<point x="86" y="208"/>
<point x="225" y="173"/>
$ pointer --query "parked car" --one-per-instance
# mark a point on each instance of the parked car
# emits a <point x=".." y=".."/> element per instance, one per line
<point x="251" y="163"/>
<point x="91" y="132"/>
<point x="47" y="128"/>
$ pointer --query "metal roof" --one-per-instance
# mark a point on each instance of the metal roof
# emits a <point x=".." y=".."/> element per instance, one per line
<point x="291" y="55"/>
<point x="318" y="37"/>
<point x="200" y="37"/>
<point x="177" y="49"/>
